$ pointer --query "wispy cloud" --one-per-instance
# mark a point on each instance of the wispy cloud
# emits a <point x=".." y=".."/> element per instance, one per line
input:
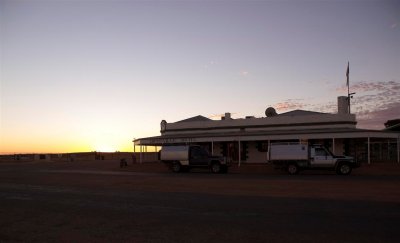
<point x="219" y="116"/>
<point x="244" y="73"/>
<point x="210" y="64"/>
<point x="374" y="103"/>
<point x="376" y="118"/>
<point x="377" y="86"/>
<point x="290" y="104"/>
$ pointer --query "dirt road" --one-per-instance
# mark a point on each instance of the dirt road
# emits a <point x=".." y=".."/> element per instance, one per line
<point x="100" y="202"/>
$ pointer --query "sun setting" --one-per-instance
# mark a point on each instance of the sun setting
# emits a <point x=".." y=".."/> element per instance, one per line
<point x="105" y="148"/>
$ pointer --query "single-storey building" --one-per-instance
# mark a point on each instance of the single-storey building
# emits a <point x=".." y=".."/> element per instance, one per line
<point x="246" y="140"/>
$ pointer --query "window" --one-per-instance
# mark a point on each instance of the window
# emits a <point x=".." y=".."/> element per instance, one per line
<point x="197" y="152"/>
<point x="262" y="146"/>
<point x="320" y="152"/>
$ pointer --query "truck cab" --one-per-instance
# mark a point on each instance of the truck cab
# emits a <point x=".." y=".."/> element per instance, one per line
<point x="198" y="156"/>
<point x="321" y="157"/>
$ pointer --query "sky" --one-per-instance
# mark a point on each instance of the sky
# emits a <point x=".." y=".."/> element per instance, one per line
<point x="91" y="75"/>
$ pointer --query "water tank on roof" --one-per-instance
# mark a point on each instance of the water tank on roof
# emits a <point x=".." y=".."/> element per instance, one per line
<point x="343" y="105"/>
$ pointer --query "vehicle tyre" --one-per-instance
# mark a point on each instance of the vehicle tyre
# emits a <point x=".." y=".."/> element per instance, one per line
<point x="224" y="169"/>
<point x="216" y="168"/>
<point x="185" y="169"/>
<point x="176" y="166"/>
<point x="343" y="169"/>
<point x="292" y="169"/>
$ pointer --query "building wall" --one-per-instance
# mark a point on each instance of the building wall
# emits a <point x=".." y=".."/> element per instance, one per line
<point x="316" y="121"/>
<point x="254" y="155"/>
<point x="217" y="149"/>
<point x="339" y="147"/>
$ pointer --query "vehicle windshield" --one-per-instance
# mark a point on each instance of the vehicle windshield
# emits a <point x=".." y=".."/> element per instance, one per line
<point x="322" y="152"/>
<point x="198" y="152"/>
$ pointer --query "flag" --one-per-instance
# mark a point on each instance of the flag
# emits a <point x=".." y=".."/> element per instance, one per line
<point x="347" y="73"/>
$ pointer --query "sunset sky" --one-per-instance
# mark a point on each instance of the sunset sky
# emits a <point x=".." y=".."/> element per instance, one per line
<point x="85" y="75"/>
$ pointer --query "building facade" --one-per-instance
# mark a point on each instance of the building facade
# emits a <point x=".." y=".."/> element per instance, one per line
<point x="246" y="140"/>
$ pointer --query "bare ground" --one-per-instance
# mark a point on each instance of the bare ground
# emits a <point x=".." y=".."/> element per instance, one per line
<point x="97" y="201"/>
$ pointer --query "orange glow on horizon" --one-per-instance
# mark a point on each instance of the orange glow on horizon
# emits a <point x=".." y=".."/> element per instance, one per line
<point x="52" y="145"/>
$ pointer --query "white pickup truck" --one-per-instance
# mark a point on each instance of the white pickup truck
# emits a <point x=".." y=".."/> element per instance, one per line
<point x="294" y="157"/>
<point x="183" y="158"/>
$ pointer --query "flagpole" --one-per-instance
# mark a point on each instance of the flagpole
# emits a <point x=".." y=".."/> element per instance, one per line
<point x="349" y="95"/>
<point x="348" y="85"/>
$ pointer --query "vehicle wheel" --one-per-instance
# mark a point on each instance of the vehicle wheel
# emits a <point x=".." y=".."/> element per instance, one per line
<point x="292" y="169"/>
<point x="176" y="166"/>
<point x="216" y="168"/>
<point x="224" y="169"/>
<point x="185" y="169"/>
<point x="343" y="169"/>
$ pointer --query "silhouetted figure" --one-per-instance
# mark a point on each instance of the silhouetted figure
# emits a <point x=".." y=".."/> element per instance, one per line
<point x="123" y="163"/>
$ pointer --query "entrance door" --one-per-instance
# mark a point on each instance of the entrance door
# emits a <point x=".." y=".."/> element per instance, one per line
<point x="230" y="151"/>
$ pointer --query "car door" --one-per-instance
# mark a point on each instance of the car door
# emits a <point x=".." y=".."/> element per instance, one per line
<point x="198" y="156"/>
<point x="320" y="157"/>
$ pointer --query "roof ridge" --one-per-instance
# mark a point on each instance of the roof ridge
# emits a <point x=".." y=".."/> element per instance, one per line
<point x="302" y="112"/>
<point x="195" y="118"/>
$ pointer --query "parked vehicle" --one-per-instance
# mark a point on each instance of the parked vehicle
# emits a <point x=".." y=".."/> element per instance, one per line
<point x="183" y="158"/>
<point x="294" y="157"/>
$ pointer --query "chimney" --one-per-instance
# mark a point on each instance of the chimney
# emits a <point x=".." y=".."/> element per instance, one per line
<point x="343" y="105"/>
<point x="227" y="116"/>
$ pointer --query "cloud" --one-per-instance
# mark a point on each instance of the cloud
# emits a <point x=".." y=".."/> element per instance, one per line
<point x="377" y="86"/>
<point x="394" y="26"/>
<point x="329" y="107"/>
<point x="290" y="104"/>
<point x="375" y="119"/>
<point x="374" y="103"/>
<point x="210" y="64"/>
<point x="376" y="93"/>
<point x="219" y="116"/>
<point x="244" y="73"/>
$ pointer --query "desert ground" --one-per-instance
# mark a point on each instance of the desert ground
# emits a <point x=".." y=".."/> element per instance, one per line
<point x="97" y="201"/>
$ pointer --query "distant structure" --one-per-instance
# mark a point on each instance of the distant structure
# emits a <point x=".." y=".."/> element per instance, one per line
<point x="246" y="140"/>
